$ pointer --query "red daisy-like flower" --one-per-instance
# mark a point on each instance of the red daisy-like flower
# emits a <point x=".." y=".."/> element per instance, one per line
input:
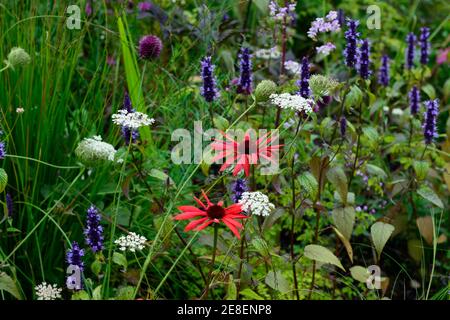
<point x="212" y="213"/>
<point x="244" y="153"/>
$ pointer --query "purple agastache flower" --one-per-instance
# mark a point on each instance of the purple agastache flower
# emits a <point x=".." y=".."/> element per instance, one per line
<point x="364" y="59"/>
<point x="144" y="6"/>
<point x="9" y="205"/>
<point x="383" y="72"/>
<point x="321" y="25"/>
<point x="303" y="83"/>
<point x="94" y="231"/>
<point x="414" y="100"/>
<point x="424" y="45"/>
<point x="429" y="121"/>
<point x="129" y="135"/>
<point x="150" y="47"/>
<point x="208" y="90"/>
<point x="410" y="47"/>
<point x="75" y="255"/>
<point x="325" y="49"/>
<point x="245" y="78"/>
<point x="88" y="8"/>
<point x="341" y="17"/>
<point x="351" y="36"/>
<point x="343" y="126"/>
<point x="237" y="189"/>
<point x="2" y="150"/>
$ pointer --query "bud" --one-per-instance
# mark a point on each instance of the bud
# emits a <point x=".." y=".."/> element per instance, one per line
<point x="18" y="57"/>
<point x="93" y="152"/>
<point x="264" y="89"/>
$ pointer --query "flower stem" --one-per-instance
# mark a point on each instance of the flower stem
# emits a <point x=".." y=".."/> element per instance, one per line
<point x="213" y="260"/>
<point x="294" y="270"/>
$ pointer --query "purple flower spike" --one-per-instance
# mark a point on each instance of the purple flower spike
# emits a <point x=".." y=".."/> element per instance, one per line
<point x="351" y="35"/>
<point x="2" y="150"/>
<point x="9" y="205"/>
<point x="237" y="189"/>
<point x="414" y="100"/>
<point x="208" y="89"/>
<point x="424" y="45"/>
<point x="343" y="126"/>
<point x="245" y="78"/>
<point x="364" y="60"/>
<point x="150" y="47"/>
<point x="74" y="256"/>
<point x="409" y="55"/>
<point x="303" y="83"/>
<point x="94" y="231"/>
<point x="129" y="135"/>
<point x="429" y="121"/>
<point x="383" y="73"/>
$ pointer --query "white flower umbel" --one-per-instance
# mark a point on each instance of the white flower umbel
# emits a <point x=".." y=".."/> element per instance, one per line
<point x="46" y="291"/>
<point x="132" y="242"/>
<point x="93" y="151"/>
<point x="266" y="54"/>
<point x="292" y="67"/>
<point x="293" y="102"/>
<point x="256" y="203"/>
<point x="132" y="120"/>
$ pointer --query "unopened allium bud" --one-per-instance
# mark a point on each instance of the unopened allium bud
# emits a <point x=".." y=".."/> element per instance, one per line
<point x="18" y="57"/>
<point x="150" y="47"/>
<point x="264" y="89"/>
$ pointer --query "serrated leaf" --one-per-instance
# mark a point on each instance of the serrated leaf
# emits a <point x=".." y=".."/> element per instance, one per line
<point x="120" y="259"/>
<point x="261" y="246"/>
<point x="346" y="243"/>
<point x="421" y="169"/>
<point x="359" y="273"/>
<point x="337" y="177"/>
<point x="309" y="183"/>
<point x="231" y="289"/>
<point x="276" y="281"/>
<point x="3" y="180"/>
<point x="428" y="194"/>
<point x="7" y="284"/>
<point x="96" y="267"/>
<point x="250" y="294"/>
<point x="354" y="97"/>
<point x="322" y="254"/>
<point x="97" y="293"/>
<point x="80" y="295"/>
<point x="371" y="133"/>
<point x="429" y="90"/>
<point x="381" y="232"/>
<point x="344" y="220"/>
<point x="376" y="171"/>
<point x="125" y="293"/>
<point x="160" y="175"/>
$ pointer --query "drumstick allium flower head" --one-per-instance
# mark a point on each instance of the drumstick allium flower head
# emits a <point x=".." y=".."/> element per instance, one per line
<point x="212" y="213"/>
<point x="150" y="47"/>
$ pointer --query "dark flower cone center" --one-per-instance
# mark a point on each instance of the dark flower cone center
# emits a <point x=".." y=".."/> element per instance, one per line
<point x="215" y="212"/>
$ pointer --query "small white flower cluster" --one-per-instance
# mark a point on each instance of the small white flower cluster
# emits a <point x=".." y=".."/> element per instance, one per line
<point x="93" y="151"/>
<point x="131" y="242"/>
<point x="292" y="67"/>
<point x="256" y="203"/>
<point x="131" y="120"/>
<point x="266" y="54"/>
<point x="293" y="102"/>
<point x="46" y="291"/>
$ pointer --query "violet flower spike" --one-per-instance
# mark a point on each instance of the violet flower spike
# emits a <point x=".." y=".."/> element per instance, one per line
<point x="351" y="36"/>
<point x="94" y="231"/>
<point x="208" y="90"/>
<point x="129" y="135"/>
<point x="9" y="205"/>
<point x="343" y="126"/>
<point x="410" y="48"/>
<point x="364" y="60"/>
<point x="245" y="78"/>
<point x="424" y="45"/>
<point x="383" y="72"/>
<point x="237" y="189"/>
<point x="414" y="100"/>
<point x="429" y="121"/>
<point x="303" y="83"/>
<point x="75" y="256"/>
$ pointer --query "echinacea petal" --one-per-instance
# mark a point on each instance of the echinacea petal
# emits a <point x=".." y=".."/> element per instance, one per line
<point x="204" y="225"/>
<point x="189" y="209"/>
<point x="233" y="209"/>
<point x="191" y="225"/>
<point x="235" y="223"/>
<point x="188" y="215"/>
<point x="232" y="228"/>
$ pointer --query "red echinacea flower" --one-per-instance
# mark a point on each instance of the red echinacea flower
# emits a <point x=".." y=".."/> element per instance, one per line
<point x="246" y="152"/>
<point x="212" y="213"/>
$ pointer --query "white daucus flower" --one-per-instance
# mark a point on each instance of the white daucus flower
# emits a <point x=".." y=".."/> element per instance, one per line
<point x="256" y="203"/>
<point x="292" y="67"/>
<point x="132" y="242"/>
<point x="93" y="151"/>
<point x="46" y="291"/>
<point x="293" y="102"/>
<point x="266" y="54"/>
<point x="132" y="120"/>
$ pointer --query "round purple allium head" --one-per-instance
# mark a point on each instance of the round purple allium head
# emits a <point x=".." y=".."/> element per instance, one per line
<point x="144" y="6"/>
<point x="150" y="47"/>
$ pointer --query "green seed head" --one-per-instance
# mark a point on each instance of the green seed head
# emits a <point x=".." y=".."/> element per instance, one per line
<point x="93" y="152"/>
<point x="18" y="57"/>
<point x="264" y="89"/>
<point x="322" y="85"/>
